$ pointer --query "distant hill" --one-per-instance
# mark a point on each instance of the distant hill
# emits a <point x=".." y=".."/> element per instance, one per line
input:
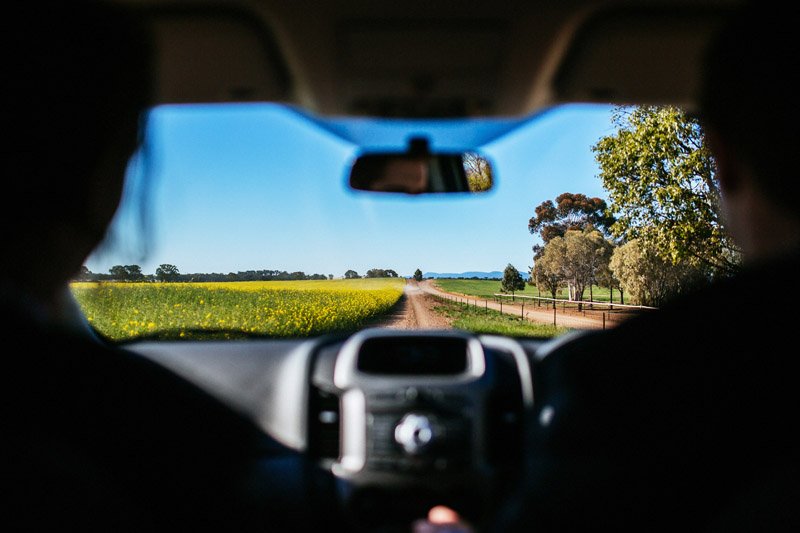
<point x="495" y="274"/>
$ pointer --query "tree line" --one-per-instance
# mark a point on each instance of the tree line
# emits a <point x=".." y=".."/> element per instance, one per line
<point x="170" y="273"/>
<point x="372" y="273"/>
<point x="659" y="235"/>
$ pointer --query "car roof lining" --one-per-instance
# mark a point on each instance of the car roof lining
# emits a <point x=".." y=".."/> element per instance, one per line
<point x="352" y="58"/>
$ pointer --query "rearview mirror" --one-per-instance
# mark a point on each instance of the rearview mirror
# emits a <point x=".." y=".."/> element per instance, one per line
<point x="419" y="171"/>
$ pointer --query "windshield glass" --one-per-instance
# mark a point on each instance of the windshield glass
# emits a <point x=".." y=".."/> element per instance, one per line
<point x="250" y="229"/>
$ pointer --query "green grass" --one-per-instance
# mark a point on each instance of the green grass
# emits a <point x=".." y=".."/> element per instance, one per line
<point x="486" y="288"/>
<point x="480" y="288"/>
<point x="489" y="321"/>
<point x="601" y="294"/>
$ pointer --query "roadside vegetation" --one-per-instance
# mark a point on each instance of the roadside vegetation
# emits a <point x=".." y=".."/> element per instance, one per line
<point x="485" y="289"/>
<point x="660" y="233"/>
<point x="482" y="288"/>
<point x="488" y="321"/>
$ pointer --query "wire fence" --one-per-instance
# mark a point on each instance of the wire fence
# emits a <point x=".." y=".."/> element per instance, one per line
<point x="601" y="314"/>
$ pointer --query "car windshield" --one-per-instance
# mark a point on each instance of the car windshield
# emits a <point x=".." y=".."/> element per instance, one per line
<point x="249" y="228"/>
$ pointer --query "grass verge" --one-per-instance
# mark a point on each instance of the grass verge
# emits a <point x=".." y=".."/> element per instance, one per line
<point x="489" y="321"/>
<point x="487" y="288"/>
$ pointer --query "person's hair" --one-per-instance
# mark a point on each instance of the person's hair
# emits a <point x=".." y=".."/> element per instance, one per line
<point x="748" y="99"/>
<point x="76" y="72"/>
<point x="77" y="81"/>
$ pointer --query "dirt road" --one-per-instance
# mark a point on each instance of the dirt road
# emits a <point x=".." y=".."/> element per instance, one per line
<point x="534" y="314"/>
<point x="414" y="311"/>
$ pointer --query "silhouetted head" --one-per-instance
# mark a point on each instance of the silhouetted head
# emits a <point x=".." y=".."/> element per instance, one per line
<point x="77" y="82"/>
<point x="748" y="100"/>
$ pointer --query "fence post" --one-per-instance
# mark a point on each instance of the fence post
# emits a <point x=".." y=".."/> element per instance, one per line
<point x="554" y="315"/>
<point x="604" y="321"/>
<point x="487" y="306"/>
<point x="522" y="313"/>
<point x="501" y="306"/>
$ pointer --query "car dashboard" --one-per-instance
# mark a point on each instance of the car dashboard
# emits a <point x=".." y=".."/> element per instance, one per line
<point x="403" y="419"/>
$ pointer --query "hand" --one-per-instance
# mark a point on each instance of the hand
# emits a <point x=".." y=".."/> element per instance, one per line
<point x="441" y="519"/>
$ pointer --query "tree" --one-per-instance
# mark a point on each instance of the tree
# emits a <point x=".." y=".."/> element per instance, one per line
<point x="662" y="186"/>
<point x="512" y="280"/>
<point x="118" y="272"/>
<point x="84" y="274"/>
<point x="576" y="259"/>
<point x="606" y="278"/>
<point x="587" y="253"/>
<point x="418" y="275"/>
<point x="126" y="273"/>
<point x="648" y="278"/>
<point x="578" y="252"/>
<point x="572" y="211"/>
<point x="479" y="172"/>
<point x="167" y="272"/>
<point x="351" y="274"/>
<point x="547" y="270"/>
<point x="381" y="273"/>
<point x="134" y="273"/>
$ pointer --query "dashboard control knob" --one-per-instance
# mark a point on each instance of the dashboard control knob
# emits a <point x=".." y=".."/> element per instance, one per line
<point x="414" y="432"/>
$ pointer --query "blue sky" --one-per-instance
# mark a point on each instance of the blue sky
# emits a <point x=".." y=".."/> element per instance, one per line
<point x="252" y="187"/>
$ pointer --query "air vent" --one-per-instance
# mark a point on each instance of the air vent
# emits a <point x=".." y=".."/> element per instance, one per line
<point x="504" y="412"/>
<point x="324" y="424"/>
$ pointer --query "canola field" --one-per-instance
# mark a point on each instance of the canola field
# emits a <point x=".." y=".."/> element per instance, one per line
<point x="124" y="311"/>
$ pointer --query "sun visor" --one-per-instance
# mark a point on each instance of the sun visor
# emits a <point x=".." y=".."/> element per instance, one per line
<point x="209" y="56"/>
<point x="637" y="56"/>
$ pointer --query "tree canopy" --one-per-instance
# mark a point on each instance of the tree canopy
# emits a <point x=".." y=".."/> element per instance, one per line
<point x="381" y="273"/>
<point x="479" y="172"/>
<point x="84" y="274"/>
<point x="662" y="188"/>
<point x="571" y="211"/>
<point x="167" y="272"/>
<point x="648" y="278"/>
<point x="512" y="280"/>
<point x="575" y="260"/>
<point x="126" y="272"/>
